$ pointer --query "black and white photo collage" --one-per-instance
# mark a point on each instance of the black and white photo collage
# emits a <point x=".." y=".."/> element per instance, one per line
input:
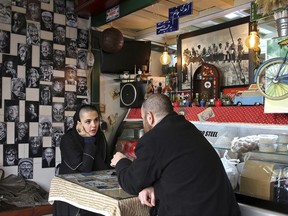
<point x="43" y="50"/>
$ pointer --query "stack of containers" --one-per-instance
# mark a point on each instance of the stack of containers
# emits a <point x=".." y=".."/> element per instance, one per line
<point x="282" y="143"/>
<point x="268" y="142"/>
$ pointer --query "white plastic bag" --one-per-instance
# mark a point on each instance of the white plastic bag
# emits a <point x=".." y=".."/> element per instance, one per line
<point x="231" y="169"/>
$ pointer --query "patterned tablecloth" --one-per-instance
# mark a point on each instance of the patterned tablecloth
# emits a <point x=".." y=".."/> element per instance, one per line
<point x="98" y="192"/>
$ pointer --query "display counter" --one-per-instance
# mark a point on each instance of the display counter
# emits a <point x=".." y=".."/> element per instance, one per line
<point x="263" y="185"/>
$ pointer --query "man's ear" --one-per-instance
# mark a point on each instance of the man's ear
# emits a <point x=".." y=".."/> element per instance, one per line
<point x="150" y="118"/>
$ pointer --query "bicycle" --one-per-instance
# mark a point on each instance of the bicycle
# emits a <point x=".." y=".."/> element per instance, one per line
<point x="272" y="76"/>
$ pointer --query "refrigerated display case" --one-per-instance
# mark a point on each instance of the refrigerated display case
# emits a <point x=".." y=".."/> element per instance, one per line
<point x="262" y="184"/>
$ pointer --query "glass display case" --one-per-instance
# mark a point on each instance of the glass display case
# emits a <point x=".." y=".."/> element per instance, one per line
<point x="262" y="173"/>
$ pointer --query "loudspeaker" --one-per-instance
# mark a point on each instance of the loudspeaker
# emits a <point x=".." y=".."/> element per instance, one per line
<point x="131" y="94"/>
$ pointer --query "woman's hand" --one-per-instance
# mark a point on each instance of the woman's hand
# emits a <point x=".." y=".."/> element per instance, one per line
<point x="81" y="131"/>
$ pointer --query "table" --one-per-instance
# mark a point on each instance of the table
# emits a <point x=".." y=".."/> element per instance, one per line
<point x="98" y="192"/>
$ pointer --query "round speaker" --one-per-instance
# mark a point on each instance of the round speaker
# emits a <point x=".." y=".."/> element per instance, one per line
<point x="128" y="94"/>
<point x="111" y="40"/>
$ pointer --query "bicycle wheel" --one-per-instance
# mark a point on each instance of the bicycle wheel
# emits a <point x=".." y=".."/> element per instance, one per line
<point x="267" y="82"/>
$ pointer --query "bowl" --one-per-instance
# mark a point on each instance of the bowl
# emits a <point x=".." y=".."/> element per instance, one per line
<point x="267" y="139"/>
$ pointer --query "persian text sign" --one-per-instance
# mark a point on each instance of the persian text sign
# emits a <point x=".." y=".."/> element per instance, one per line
<point x="167" y="26"/>
<point x="112" y="13"/>
<point x="181" y="10"/>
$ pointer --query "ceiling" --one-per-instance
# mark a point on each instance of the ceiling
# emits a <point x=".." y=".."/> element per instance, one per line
<point x="141" y="24"/>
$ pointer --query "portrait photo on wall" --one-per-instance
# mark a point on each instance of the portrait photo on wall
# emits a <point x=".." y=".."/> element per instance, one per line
<point x="68" y="123"/>
<point x="24" y="54"/>
<point x="70" y="75"/>
<point x="70" y="99"/>
<point x="58" y="87"/>
<point x="45" y="126"/>
<point x="31" y="111"/>
<point x="21" y="132"/>
<point x="58" y="111"/>
<point x="46" y="50"/>
<point x="46" y="20"/>
<point x="35" y="146"/>
<point x="82" y="86"/>
<point x="58" y="59"/>
<point x="82" y="59"/>
<point x="10" y="155"/>
<point x="5" y="12"/>
<point x="9" y="65"/>
<point x="4" y="41"/>
<point x="46" y="71"/>
<point x="18" y="90"/>
<point x="19" y="23"/>
<point x="82" y="38"/>
<point x="33" y="33"/>
<point x="45" y="95"/>
<point x="11" y="110"/>
<point x="33" y="10"/>
<point x="25" y="168"/>
<point x="71" y="48"/>
<point x="32" y="77"/>
<point x="3" y="132"/>
<point x="71" y="16"/>
<point x="19" y="3"/>
<point x="59" y="6"/>
<point x="57" y="133"/>
<point x="48" y="157"/>
<point x="220" y="45"/>
<point x="59" y="34"/>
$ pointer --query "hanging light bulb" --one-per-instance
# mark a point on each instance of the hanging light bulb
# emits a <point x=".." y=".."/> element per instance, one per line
<point x="253" y="40"/>
<point x="165" y="58"/>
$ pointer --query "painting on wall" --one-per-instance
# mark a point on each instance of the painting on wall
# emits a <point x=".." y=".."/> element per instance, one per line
<point x="220" y="45"/>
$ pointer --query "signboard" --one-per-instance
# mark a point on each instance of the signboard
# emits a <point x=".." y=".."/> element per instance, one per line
<point x="112" y="13"/>
<point x="180" y="11"/>
<point x="167" y="26"/>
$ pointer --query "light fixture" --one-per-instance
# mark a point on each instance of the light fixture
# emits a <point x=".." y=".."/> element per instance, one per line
<point x="165" y="58"/>
<point x="253" y="40"/>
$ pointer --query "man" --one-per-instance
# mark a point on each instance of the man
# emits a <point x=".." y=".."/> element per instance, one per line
<point x="46" y="50"/>
<point x="11" y="155"/>
<point x="48" y="159"/>
<point x="58" y="109"/>
<point x="33" y="37"/>
<point x="11" y="112"/>
<point x="25" y="168"/>
<point x="35" y="146"/>
<point x="4" y="41"/>
<point x="19" y="23"/>
<point x="22" y="129"/>
<point x="24" y="54"/>
<point x="175" y="165"/>
<point x="47" y="20"/>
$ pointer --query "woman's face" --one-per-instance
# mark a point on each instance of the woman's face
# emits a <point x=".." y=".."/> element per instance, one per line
<point x="90" y="121"/>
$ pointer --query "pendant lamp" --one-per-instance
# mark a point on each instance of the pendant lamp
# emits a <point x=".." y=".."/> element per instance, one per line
<point x="165" y="58"/>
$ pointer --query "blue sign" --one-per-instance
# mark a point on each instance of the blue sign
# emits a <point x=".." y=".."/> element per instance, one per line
<point x="181" y="10"/>
<point x="167" y="26"/>
<point x="112" y="13"/>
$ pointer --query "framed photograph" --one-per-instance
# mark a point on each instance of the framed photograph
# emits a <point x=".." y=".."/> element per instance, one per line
<point x="221" y="46"/>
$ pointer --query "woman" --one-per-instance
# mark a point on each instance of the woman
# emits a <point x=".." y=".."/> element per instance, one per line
<point x="83" y="149"/>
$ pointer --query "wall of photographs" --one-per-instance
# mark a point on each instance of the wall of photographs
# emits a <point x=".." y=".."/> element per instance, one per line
<point x="43" y="49"/>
